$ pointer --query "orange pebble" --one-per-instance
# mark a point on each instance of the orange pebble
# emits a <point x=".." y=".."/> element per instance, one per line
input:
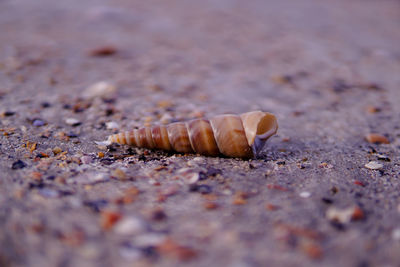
<point x="377" y="139"/>
<point x="109" y="218"/>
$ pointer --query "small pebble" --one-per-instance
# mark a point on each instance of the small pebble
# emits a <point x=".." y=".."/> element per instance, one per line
<point x="19" y="164"/>
<point x="373" y="109"/>
<point x="8" y="113"/>
<point x="373" y="165"/>
<point x="72" y="121"/>
<point x="344" y="216"/>
<point x="109" y="218"/>
<point x="383" y="158"/>
<point x="305" y="194"/>
<point x="99" y="89"/>
<point x="189" y="175"/>
<point x="377" y="139"/>
<point x="227" y="192"/>
<point x="325" y="165"/>
<point x="38" y="122"/>
<point x="129" y="226"/>
<point x="192" y="178"/>
<point x="57" y="150"/>
<point x="112" y="125"/>
<point x="103" y="51"/>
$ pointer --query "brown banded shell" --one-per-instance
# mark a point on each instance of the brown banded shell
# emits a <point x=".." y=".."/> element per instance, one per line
<point x="241" y="136"/>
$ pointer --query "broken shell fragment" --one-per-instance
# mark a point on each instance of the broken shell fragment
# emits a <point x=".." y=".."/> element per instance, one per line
<point x="241" y="136"/>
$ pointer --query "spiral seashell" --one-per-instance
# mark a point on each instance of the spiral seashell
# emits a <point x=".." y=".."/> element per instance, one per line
<point x="241" y="136"/>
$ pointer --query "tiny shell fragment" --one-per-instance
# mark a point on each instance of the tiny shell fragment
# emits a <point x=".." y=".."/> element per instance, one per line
<point x="373" y="165"/>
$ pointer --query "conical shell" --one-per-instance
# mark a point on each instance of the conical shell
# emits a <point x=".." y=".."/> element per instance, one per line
<point x="241" y="136"/>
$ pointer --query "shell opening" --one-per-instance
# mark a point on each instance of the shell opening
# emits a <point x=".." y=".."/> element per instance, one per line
<point x="267" y="126"/>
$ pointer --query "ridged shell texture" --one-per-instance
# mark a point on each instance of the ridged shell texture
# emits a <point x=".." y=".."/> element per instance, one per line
<point x="241" y="136"/>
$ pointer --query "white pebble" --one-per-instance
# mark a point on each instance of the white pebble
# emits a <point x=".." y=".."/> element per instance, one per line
<point x="129" y="226"/>
<point x="111" y="125"/>
<point x="340" y="215"/>
<point x="373" y="165"/>
<point x="71" y="121"/>
<point x="99" y="89"/>
<point x="305" y="194"/>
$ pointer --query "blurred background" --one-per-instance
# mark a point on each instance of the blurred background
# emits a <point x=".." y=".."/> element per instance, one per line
<point x="73" y="72"/>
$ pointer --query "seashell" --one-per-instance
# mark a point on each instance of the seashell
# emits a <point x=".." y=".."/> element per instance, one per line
<point x="241" y="136"/>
